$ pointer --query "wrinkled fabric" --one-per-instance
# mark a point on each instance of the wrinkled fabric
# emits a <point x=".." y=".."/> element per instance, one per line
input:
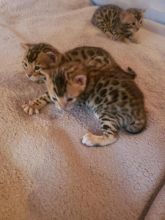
<point x="45" y="171"/>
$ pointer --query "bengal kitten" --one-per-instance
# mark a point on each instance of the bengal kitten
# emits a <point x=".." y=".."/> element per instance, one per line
<point x="118" y="24"/>
<point x="42" y="56"/>
<point x="39" y="56"/>
<point x="111" y="94"/>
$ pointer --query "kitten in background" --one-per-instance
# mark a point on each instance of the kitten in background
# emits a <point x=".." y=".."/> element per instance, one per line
<point x="118" y="24"/>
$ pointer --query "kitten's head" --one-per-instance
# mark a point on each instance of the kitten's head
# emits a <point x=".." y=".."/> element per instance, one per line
<point x="67" y="84"/>
<point x="132" y="18"/>
<point x="37" y="58"/>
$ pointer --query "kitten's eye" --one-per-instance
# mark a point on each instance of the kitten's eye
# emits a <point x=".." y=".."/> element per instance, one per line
<point x="37" y="68"/>
<point x="69" y="99"/>
<point x="133" y="23"/>
<point x="25" y="64"/>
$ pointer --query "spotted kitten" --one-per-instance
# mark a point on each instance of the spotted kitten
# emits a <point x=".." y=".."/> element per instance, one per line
<point x="42" y="56"/>
<point x="111" y="94"/>
<point x="118" y="24"/>
<point x="39" y="56"/>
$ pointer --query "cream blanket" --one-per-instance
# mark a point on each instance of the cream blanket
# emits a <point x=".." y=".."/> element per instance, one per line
<point x="45" y="172"/>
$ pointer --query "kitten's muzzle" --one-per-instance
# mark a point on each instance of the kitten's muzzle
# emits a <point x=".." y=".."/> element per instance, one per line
<point x="34" y="78"/>
<point x="65" y="105"/>
<point x="29" y="74"/>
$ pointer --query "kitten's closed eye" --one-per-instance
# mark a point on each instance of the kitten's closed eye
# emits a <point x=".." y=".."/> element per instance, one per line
<point x="69" y="99"/>
<point x="25" y="64"/>
<point x="54" y="98"/>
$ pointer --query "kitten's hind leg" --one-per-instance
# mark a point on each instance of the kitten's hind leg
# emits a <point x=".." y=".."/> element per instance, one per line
<point x="109" y="127"/>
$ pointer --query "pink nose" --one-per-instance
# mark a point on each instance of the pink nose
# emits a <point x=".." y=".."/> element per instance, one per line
<point x="28" y="74"/>
<point x="63" y="104"/>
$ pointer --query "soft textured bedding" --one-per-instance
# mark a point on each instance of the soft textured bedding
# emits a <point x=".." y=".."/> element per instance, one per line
<point x="46" y="173"/>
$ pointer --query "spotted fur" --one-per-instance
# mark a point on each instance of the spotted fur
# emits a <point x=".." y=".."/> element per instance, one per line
<point x="44" y="56"/>
<point x="40" y="57"/>
<point x="118" y="24"/>
<point x="111" y="94"/>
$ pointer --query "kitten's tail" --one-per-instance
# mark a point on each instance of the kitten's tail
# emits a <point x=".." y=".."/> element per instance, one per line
<point x="131" y="72"/>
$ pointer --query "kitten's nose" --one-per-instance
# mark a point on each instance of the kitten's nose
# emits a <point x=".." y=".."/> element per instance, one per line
<point x="63" y="104"/>
<point x="29" y="75"/>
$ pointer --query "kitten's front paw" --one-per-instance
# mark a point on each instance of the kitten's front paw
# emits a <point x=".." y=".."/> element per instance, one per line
<point x="111" y="36"/>
<point x="108" y="34"/>
<point x="125" y="40"/>
<point x="30" y="108"/>
<point x="134" y="40"/>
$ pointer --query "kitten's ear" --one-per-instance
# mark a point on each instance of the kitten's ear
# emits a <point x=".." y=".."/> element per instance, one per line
<point x="26" y="46"/>
<point x="143" y="11"/>
<point x="51" y="55"/>
<point x="123" y="15"/>
<point x="80" y="80"/>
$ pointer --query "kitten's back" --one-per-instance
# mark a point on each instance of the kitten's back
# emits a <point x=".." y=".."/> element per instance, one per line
<point x="105" y="14"/>
<point x="90" y="56"/>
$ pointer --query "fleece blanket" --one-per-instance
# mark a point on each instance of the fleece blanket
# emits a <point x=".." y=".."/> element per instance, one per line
<point x="157" y="210"/>
<point x="45" y="171"/>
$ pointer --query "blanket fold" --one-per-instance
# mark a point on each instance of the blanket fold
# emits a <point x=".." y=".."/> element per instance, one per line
<point x="46" y="173"/>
